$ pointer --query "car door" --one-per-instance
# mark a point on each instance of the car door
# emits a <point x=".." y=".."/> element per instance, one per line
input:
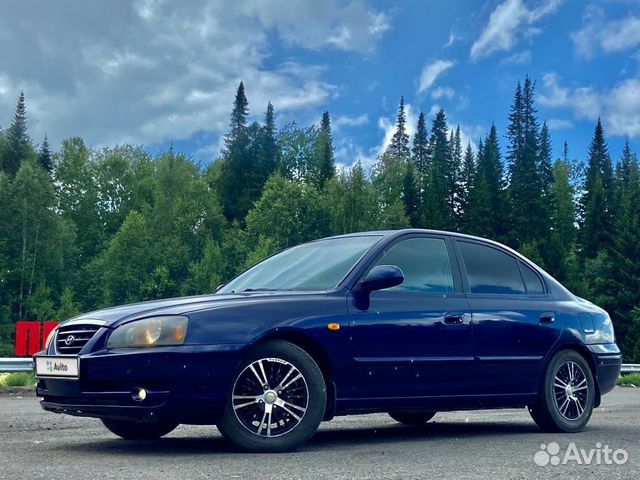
<point x="413" y="339"/>
<point x="513" y="316"/>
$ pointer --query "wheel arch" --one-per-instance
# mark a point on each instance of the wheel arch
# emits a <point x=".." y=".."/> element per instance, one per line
<point x="584" y="352"/>
<point x="313" y="348"/>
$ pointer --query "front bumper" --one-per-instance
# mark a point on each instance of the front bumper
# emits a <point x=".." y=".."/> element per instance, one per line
<point x="608" y="361"/>
<point x="187" y="384"/>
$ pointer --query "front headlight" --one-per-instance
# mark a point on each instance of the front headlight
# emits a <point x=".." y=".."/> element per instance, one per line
<point x="150" y="332"/>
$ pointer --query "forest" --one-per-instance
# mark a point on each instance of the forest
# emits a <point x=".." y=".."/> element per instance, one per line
<point x="84" y="228"/>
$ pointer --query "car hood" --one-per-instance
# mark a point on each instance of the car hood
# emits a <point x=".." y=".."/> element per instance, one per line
<point x="114" y="316"/>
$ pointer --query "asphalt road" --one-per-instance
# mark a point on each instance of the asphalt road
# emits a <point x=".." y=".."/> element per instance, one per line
<point x="486" y="444"/>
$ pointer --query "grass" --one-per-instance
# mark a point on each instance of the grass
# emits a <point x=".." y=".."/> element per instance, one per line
<point x="630" y="379"/>
<point x="17" y="380"/>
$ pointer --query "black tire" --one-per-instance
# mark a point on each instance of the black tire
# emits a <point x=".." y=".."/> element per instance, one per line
<point x="260" y="423"/>
<point x="130" y="430"/>
<point x="567" y="394"/>
<point x="412" y="418"/>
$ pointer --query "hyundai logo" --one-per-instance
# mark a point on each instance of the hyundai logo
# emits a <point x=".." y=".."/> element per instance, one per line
<point x="69" y="340"/>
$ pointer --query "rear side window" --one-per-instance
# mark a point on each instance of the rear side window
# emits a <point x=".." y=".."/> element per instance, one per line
<point x="489" y="270"/>
<point x="531" y="280"/>
<point x="424" y="262"/>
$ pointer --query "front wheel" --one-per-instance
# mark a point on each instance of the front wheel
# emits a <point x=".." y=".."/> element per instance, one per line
<point x="567" y="396"/>
<point x="277" y="401"/>
<point x="130" y="430"/>
<point x="412" y="418"/>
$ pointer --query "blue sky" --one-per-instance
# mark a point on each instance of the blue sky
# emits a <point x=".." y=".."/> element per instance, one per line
<point x="152" y="72"/>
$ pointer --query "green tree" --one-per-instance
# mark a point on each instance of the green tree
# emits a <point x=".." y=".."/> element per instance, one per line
<point x="351" y="202"/>
<point x="595" y="231"/>
<point x="323" y="165"/>
<point x="467" y="177"/>
<point x="128" y="263"/>
<point x="399" y="146"/>
<point x="420" y="150"/>
<point x="45" y="157"/>
<point x="18" y="146"/>
<point x="528" y="222"/>
<point x="78" y="196"/>
<point x="487" y="198"/>
<point x="287" y="213"/>
<point x="437" y="212"/>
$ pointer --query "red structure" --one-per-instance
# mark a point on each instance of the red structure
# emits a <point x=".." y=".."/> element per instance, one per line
<point x="31" y="336"/>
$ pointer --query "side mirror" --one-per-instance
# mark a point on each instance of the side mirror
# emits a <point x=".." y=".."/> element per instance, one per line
<point x="381" y="277"/>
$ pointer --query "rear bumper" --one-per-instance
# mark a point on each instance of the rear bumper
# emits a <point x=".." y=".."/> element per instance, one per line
<point x="187" y="384"/>
<point x="608" y="360"/>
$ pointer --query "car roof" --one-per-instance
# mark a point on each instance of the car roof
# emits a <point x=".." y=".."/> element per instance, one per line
<point x="393" y="233"/>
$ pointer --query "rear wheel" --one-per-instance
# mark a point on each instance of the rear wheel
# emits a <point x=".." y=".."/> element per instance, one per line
<point x="412" y="418"/>
<point x="130" y="430"/>
<point x="277" y="401"/>
<point x="565" y="402"/>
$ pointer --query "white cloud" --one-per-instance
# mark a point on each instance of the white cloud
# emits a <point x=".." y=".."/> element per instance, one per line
<point x="347" y="121"/>
<point x="314" y="24"/>
<point x="509" y="20"/>
<point x="431" y="72"/>
<point x="599" y="33"/>
<point x="618" y="107"/>
<point x="443" y="92"/>
<point x="518" y="58"/>
<point x="559" y="124"/>
<point x="150" y="71"/>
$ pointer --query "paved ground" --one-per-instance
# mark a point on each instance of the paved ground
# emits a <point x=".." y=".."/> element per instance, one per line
<point x="488" y="444"/>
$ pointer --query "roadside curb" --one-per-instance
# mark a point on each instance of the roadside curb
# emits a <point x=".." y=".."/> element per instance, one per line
<point x="18" y="391"/>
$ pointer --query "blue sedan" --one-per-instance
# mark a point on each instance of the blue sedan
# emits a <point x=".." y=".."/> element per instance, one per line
<point x="408" y="322"/>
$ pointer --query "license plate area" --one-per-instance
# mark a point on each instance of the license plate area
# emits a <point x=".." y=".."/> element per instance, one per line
<point x="57" y="367"/>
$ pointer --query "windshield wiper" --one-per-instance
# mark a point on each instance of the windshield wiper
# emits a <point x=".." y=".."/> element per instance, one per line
<point x="263" y="289"/>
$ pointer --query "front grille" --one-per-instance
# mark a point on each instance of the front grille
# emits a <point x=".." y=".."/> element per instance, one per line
<point x="71" y="339"/>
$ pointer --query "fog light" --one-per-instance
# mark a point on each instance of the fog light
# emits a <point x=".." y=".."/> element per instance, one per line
<point x="139" y="394"/>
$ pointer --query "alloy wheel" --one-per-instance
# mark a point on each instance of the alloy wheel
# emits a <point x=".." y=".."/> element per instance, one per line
<point x="270" y="397"/>
<point x="570" y="390"/>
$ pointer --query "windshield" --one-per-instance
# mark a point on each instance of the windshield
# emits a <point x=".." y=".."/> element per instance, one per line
<point x="318" y="265"/>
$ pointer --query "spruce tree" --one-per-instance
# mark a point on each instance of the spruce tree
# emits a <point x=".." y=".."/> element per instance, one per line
<point x="487" y="200"/>
<point x="268" y="147"/>
<point x="399" y="145"/>
<point x="411" y="195"/>
<point x="45" y="158"/>
<point x="437" y="212"/>
<point x="18" y="144"/>
<point x="453" y="173"/>
<point x="238" y="120"/>
<point x="420" y="150"/>
<point x="323" y="162"/>
<point x="595" y="232"/>
<point x="467" y="174"/>
<point x="527" y="217"/>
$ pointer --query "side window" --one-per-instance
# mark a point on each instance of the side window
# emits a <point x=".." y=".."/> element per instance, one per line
<point x="531" y="280"/>
<point x="424" y="262"/>
<point x="489" y="270"/>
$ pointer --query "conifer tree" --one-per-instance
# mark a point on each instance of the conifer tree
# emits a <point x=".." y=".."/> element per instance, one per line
<point x="527" y="216"/>
<point x="436" y="207"/>
<point x="596" y="201"/>
<point x="324" y="162"/>
<point x="467" y="174"/>
<point x="399" y="145"/>
<point x="420" y="150"/>
<point x="18" y="144"/>
<point x="45" y="158"/>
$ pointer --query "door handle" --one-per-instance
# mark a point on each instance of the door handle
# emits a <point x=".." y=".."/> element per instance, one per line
<point x="547" y="317"/>
<point x="454" y="318"/>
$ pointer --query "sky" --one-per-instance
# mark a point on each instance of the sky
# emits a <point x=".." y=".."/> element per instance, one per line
<point x="156" y="73"/>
